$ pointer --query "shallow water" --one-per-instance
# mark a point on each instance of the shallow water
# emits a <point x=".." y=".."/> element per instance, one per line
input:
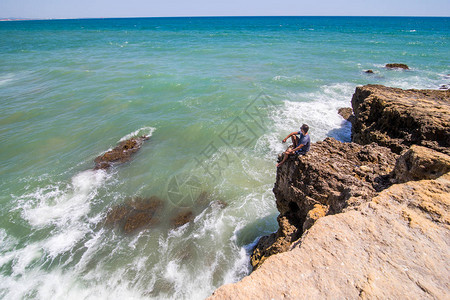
<point x="216" y="95"/>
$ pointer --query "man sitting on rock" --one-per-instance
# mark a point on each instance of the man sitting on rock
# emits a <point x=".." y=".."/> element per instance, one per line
<point x="300" y="145"/>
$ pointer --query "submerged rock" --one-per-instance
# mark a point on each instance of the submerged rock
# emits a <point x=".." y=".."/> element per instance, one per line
<point x="397" y="118"/>
<point x="121" y="153"/>
<point x="397" y="66"/>
<point x="182" y="218"/>
<point x="369" y="71"/>
<point x="135" y="214"/>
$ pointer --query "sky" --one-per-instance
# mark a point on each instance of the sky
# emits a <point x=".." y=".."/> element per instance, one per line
<point x="174" y="8"/>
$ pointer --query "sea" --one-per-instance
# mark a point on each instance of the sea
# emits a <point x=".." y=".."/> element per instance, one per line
<point x="216" y="96"/>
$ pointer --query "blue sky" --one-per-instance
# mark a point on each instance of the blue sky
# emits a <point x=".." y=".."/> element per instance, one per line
<point x="167" y="8"/>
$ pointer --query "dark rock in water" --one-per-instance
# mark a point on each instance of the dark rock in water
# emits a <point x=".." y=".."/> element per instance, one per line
<point x="330" y="178"/>
<point x="182" y="218"/>
<point x="397" y="66"/>
<point x="444" y="87"/>
<point x="135" y="213"/>
<point x="346" y="113"/>
<point x="138" y="220"/>
<point x="117" y="214"/>
<point x="121" y="153"/>
<point x="397" y="118"/>
<point x="202" y="199"/>
<point x="369" y="71"/>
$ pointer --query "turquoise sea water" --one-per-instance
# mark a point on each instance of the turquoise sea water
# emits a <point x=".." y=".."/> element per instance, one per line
<point x="216" y="95"/>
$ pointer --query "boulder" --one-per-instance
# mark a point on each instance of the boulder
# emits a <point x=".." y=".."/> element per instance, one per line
<point x="182" y="218"/>
<point x="121" y="153"/>
<point x="397" y="66"/>
<point x="421" y="163"/>
<point x="136" y="213"/>
<point x="369" y="71"/>
<point x="346" y="113"/>
<point x="397" y="118"/>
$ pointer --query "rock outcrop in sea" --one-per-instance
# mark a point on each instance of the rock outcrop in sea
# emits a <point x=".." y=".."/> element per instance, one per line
<point x="121" y="153"/>
<point x="364" y="219"/>
<point x="397" y="66"/>
<point x="136" y="213"/>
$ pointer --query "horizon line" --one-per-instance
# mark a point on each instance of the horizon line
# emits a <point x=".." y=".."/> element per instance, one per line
<point x="3" y="19"/>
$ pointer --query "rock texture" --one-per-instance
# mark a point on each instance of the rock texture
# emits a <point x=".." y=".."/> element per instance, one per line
<point x="397" y="118"/>
<point x="346" y="113"/>
<point x="134" y="214"/>
<point x="397" y="66"/>
<point x="421" y="163"/>
<point x="121" y="153"/>
<point x="393" y="247"/>
<point x="182" y="218"/>
<point x="331" y="177"/>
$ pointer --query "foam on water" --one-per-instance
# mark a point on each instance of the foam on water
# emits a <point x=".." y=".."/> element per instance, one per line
<point x="61" y="206"/>
<point x="317" y="109"/>
<point x="144" y="131"/>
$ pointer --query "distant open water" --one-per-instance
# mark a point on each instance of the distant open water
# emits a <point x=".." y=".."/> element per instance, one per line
<point x="216" y="95"/>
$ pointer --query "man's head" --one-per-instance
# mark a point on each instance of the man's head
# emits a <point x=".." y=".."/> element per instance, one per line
<point x="304" y="128"/>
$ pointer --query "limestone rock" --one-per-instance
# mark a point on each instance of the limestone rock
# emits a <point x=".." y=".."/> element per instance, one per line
<point x="393" y="247"/>
<point x="397" y="66"/>
<point x="121" y="153"/>
<point x="397" y="118"/>
<point x="421" y="163"/>
<point x="331" y="177"/>
<point x="346" y="113"/>
<point x="276" y="242"/>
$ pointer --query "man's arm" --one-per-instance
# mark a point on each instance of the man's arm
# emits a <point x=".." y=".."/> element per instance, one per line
<point x="290" y="134"/>
<point x="298" y="148"/>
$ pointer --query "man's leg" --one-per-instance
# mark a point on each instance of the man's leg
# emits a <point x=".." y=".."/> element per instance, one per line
<point x="294" y="140"/>
<point x="286" y="154"/>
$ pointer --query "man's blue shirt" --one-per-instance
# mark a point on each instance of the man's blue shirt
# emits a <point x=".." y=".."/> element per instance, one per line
<point x="303" y="140"/>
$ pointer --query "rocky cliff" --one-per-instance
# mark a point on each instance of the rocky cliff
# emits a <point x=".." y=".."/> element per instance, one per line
<point x="397" y="118"/>
<point x="358" y="219"/>
<point x="395" y="246"/>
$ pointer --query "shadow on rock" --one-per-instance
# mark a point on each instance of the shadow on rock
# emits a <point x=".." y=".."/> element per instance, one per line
<point x="120" y="154"/>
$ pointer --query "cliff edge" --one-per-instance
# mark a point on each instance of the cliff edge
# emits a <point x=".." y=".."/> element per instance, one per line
<point x="367" y="218"/>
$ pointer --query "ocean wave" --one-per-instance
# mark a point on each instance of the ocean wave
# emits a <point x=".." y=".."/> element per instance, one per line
<point x="144" y="131"/>
<point x="60" y="204"/>
<point x="5" y="79"/>
<point x="317" y="109"/>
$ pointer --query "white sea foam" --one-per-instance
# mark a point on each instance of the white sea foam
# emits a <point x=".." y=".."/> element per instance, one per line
<point x="317" y="109"/>
<point x="53" y="205"/>
<point x="63" y="241"/>
<point x="144" y="131"/>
